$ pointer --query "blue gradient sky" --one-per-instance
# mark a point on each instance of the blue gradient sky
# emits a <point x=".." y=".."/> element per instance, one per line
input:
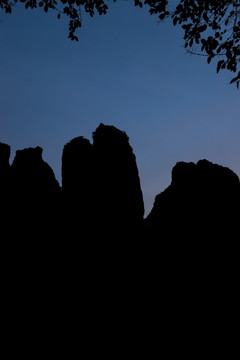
<point x="127" y="71"/>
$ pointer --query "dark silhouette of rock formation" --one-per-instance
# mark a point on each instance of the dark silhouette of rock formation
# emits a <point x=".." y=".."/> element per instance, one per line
<point x="202" y="200"/>
<point x="78" y="184"/>
<point x="32" y="176"/>
<point x="4" y="169"/>
<point x="101" y="193"/>
<point x="100" y="183"/>
<point x="77" y="167"/>
<point x="61" y="271"/>
<point x="195" y="232"/>
<point x="5" y="187"/>
<point x="32" y="241"/>
<point x="34" y="192"/>
<point x="120" y="200"/>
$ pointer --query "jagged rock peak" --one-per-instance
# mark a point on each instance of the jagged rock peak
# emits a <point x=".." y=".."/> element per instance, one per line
<point x="109" y="134"/>
<point x="27" y="155"/>
<point x="31" y="173"/>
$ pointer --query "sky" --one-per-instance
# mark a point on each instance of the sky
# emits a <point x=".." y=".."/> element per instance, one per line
<point x="126" y="70"/>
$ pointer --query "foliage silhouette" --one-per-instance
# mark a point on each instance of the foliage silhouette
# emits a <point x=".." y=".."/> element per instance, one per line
<point x="211" y="28"/>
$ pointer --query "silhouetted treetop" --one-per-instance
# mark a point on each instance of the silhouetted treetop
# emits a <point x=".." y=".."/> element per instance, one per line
<point x="211" y="28"/>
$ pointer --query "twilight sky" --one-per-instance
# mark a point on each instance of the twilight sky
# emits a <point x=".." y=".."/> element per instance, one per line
<point x="127" y="71"/>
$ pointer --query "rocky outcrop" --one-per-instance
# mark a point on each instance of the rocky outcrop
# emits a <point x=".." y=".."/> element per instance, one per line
<point x="100" y="183"/>
<point x="56" y="259"/>
<point x="202" y="200"/>
<point x="120" y="199"/>
<point x="78" y="185"/>
<point x="32" y="176"/>
<point x="195" y="240"/>
<point x="4" y="170"/>
<point x="101" y="193"/>
<point x="5" y="189"/>
<point x="34" y="194"/>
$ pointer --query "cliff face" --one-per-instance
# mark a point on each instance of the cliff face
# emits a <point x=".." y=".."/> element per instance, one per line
<point x="78" y="185"/>
<point x="57" y="257"/>
<point x="101" y="193"/>
<point x="34" y="196"/>
<point x="31" y="176"/>
<point x="100" y="182"/>
<point x="202" y="199"/>
<point x="119" y="190"/>
<point x="4" y="170"/>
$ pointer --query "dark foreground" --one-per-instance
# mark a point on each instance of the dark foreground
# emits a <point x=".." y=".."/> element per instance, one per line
<point x="85" y="274"/>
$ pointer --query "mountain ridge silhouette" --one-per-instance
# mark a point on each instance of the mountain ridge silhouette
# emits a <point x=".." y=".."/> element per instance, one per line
<point x="101" y="189"/>
<point x="86" y="258"/>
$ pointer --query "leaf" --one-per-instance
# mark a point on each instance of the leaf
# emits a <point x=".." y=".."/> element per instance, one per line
<point x="66" y="10"/>
<point x="138" y="3"/>
<point x="234" y="79"/>
<point x="205" y="17"/>
<point x="209" y="58"/>
<point x="175" y="20"/>
<point x="214" y="44"/>
<point x="8" y="9"/>
<point x="202" y="28"/>
<point x="219" y="65"/>
<point x="162" y="16"/>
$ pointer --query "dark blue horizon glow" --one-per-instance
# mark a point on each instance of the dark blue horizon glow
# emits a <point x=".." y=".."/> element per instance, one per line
<point x="127" y="71"/>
